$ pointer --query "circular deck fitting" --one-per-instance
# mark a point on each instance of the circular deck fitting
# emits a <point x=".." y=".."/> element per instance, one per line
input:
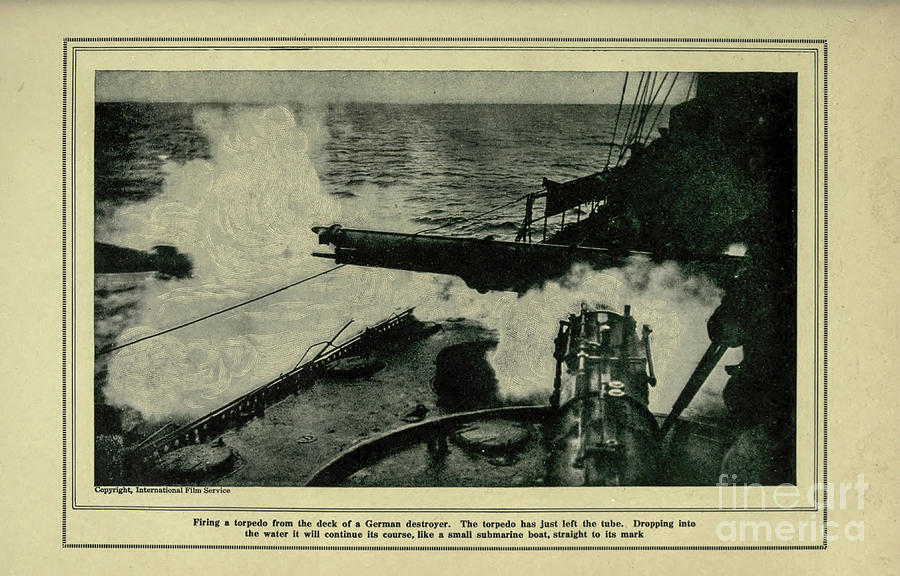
<point x="417" y="414"/>
<point x="354" y="367"/>
<point x="492" y="436"/>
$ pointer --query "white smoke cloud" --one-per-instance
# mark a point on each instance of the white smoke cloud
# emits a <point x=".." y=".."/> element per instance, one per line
<point x="244" y="218"/>
<point x="675" y="305"/>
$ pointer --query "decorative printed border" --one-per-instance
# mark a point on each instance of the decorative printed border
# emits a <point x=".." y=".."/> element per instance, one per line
<point x="440" y="43"/>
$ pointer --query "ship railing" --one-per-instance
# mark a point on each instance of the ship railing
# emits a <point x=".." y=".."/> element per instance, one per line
<point x="253" y="403"/>
<point x="581" y="196"/>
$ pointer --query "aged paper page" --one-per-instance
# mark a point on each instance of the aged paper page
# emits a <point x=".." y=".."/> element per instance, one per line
<point x="378" y="286"/>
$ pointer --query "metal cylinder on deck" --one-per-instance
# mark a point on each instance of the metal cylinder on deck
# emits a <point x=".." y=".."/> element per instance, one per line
<point x="603" y="433"/>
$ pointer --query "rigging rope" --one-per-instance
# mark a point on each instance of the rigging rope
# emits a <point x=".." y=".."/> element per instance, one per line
<point x="661" y="106"/>
<point x="647" y="108"/>
<point x="636" y="110"/>
<point x="631" y="117"/>
<point x="616" y="128"/>
<point x="645" y="112"/>
<point x="202" y="318"/>
<point x="641" y="103"/>
<point x="648" y="102"/>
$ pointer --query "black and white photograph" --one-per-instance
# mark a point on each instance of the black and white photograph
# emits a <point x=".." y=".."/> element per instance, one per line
<point x="444" y="278"/>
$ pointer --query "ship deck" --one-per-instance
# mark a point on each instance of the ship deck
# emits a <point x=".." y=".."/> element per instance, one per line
<point x="303" y="432"/>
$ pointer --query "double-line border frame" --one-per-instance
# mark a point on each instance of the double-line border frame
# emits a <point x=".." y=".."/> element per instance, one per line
<point x="816" y="48"/>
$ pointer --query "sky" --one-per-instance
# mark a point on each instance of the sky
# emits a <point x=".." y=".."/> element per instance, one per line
<point x="404" y="87"/>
